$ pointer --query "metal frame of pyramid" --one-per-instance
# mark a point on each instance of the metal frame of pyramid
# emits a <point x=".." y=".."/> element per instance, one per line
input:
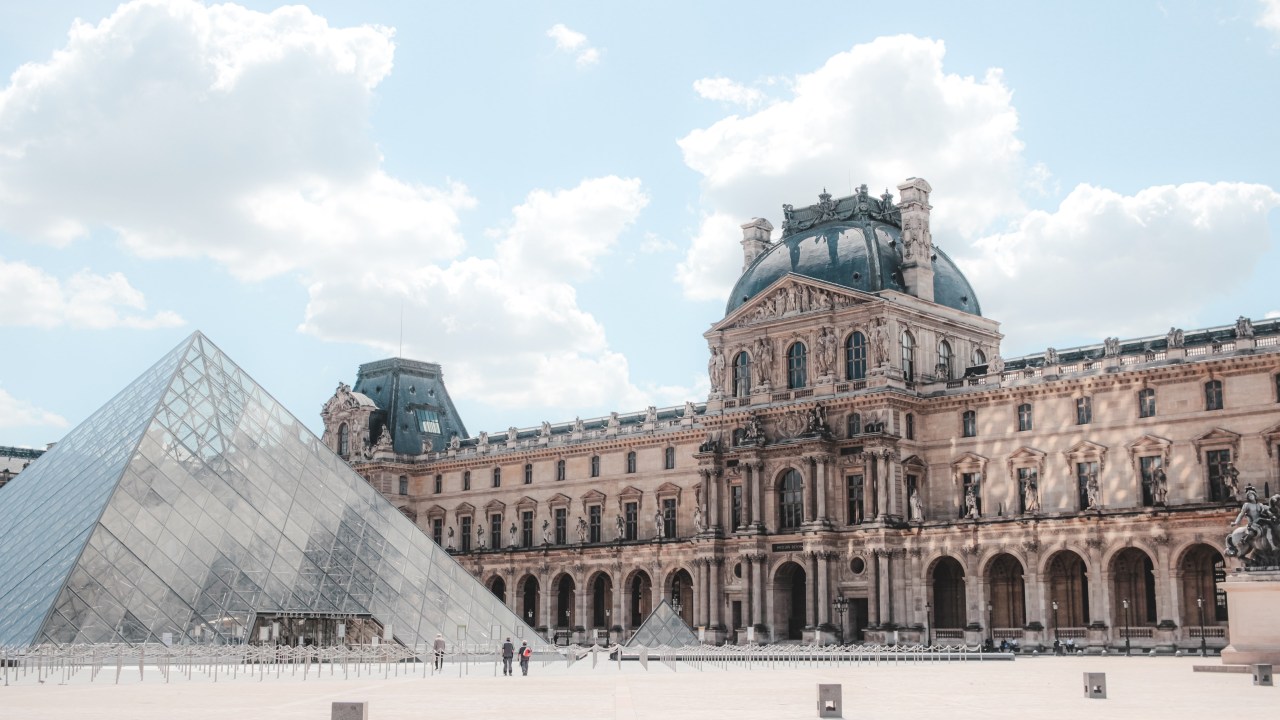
<point x="192" y="502"/>
<point x="663" y="628"/>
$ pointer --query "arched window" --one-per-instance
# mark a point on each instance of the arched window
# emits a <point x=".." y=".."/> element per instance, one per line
<point x="969" y="423"/>
<point x="669" y="458"/>
<point x="631" y="461"/>
<point x="344" y="440"/>
<point x="797" y="366"/>
<point x="595" y="466"/>
<point x="497" y="477"/>
<point x="855" y="356"/>
<point x="946" y="365"/>
<point x="855" y="424"/>
<point x="1024" y="417"/>
<point x="908" y="357"/>
<point x="979" y="357"/>
<point x="528" y="474"/>
<point x="742" y="375"/>
<point x="559" y="469"/>
<point x="791" y="505"/>
<point x="1213" y="395"/>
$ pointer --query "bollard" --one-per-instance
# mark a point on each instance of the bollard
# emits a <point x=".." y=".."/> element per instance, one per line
<point x="1095" y="686"/>
<point x="350" y="711"/>
<point x="829" y="701"/>
<point x="1262" y="674"/>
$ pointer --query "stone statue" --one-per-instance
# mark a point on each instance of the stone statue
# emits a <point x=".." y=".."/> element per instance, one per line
<point x="970" y="504"/>
<point x="621" y="526"/>
<point x="996" y="366"/>
<point x="1244" y="327"/>
<point x="384" y="441"/>
<point x="1175" y="338"/>
<point x="512" y="532"/>
<point x="1051" y="357"/>
<point x="1031" y="493"/>
<point x="826" y="355"/>
<point x="1092" y="492"/>
<point x="482" y="442"/>
<point x="512" y="435"/>
<point x="697" y="520"/>
<point x="449" y="545"/>
<point x="577" y="425"/>
<point x="879" y="344"/>
<point x="1231" y="481"/>
<point x="582" y="530"/>
<point x="545" y="430"/>
<point x="651" y="414"/>
<point x="763" y="361"/>
<point x="914" y="507"/>
<point x="816" y="419"/>
<point x="614" y="423"/>
<point x="1111" y="346"/>
<point x="1159" y="486"/>
<point x="480" y="544"/>
<point x="1255" y="544"/>
<point x="753" y="432"/>
<point x="546" y="532"/>
<point x="689" y="410"/>
<point x="455" y="442"/>
<point x="657" y="525"/>
<point x="715" y="368"/>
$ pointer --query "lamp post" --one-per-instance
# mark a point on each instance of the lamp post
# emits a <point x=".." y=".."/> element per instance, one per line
<point x="1055" y="625"/>
<point x="928" y="625"/>
<point x="1126" y="625"/>
<point x="1204" y="650"/>
<point x="841" y="604"/>
<point x="991" y="632"/>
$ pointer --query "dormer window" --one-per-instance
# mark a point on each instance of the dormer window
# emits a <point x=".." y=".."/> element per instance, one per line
<point x="428" y="421"/>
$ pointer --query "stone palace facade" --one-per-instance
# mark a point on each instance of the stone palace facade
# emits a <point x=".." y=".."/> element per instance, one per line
<point x="867" y="466"/>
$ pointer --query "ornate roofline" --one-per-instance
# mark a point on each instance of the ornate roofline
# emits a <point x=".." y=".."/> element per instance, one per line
<point x="859" y="206"/>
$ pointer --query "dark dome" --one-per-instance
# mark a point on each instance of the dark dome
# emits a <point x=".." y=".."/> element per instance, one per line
<point x="860" y="254"/>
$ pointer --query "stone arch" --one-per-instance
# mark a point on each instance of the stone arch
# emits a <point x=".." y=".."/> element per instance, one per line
<point x="498" y="586"/>
<point x="1133" y="579"/>
<point x="1199" y="566"/>
<point x="564" y="600"/>
<point x="528" y="594"/>
<point x="599" y="589"/>
<point x="790" y="594"/>
<point x="679" y="589"/>
<point x="1066" y="573"/>
<point x="639" y="589"/>
<point x="790" y="488"/>
<point x="1006" y="590"/>
<point x="946" y="577"/>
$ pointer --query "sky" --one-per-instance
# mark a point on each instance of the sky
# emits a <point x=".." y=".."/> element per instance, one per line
<point x="546" y="197"/>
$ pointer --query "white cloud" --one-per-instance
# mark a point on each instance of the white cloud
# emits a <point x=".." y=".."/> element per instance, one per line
<point x="723" y="89"/>
<point x="574" y="43"/>
<point x="33" y="298"/>
<point x="217" y="132"/>
<point x="1273" y="314"/>
<point x="1159" y="254"/>
<point x="878" y="113"/>
<point x="15" y="413"/>
<point x="653" y="244"/>
<point x="1270" y="17"/>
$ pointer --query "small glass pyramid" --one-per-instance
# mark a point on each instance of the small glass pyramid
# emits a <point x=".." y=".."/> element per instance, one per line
<point x="663" y="628"/>
<point x="192" y="505"/>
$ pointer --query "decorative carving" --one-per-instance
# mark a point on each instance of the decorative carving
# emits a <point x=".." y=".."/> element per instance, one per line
<point x="650" y="415"/>
<point x="1257" y="544"/>
<point x="716" y="369"/>
<point x="1051" y="357"/>
<point x="1031" y="493"/>
<point x="859" y="206"/>
<point x="1244" y="327"/>
<point x="996" y="366"/>
<point x="763" y="361"/>
<point x="792" y="424"/>
<point x="971" y="549"/>
<point x="545" y="430"/>
<point x="1093" y="543"/>
<point x="825" y="356"/>
<point x="914" y="508"/>
<point x="1175" y="338"/>
<point x="1111" y="346"/>
<point x="879" y="343"/>
<point x="1030" y="546"/>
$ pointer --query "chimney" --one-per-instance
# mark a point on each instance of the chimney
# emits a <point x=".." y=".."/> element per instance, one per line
<point x="755" y="240"/>
<point x="917" y="240"/>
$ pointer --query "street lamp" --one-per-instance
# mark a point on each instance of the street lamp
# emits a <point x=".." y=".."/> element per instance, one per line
<point x="928" y="625"/>
<point x="991" y="632"/>
<point x="1056" y="645"/>
<point x="1204" y="651"/>
<point x="841" y="604"/>
<point x="1126" y="625"/>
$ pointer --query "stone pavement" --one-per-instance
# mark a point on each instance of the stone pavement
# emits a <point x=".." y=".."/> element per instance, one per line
<point x="1030" y="688"/>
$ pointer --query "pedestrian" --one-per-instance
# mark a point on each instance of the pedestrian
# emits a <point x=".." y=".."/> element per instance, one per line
<point x="526" y="652"/>
<point x="508" y="651"/>
<point x="439" y="648"/>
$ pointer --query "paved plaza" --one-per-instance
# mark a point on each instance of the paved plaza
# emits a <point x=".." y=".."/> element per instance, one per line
<point x="1043" y="687"/>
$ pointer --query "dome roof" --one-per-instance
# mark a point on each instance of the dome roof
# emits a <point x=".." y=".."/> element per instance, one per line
<point x="860" y="253"/>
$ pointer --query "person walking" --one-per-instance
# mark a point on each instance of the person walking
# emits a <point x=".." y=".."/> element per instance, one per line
<point x="508" y="652"/>
<point x="526" y="652"/>
<point x="439" y="647"/>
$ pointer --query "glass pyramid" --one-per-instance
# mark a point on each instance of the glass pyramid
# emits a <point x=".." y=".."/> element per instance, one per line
<point x="192" y="503"/>
<point x="663" y="628"/>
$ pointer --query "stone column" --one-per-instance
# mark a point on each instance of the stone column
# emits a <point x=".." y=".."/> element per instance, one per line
<point x="748" y="478"/>
<point x="811" y="491"/>
<point x="757" y="494"/>
<point x="821" y="488"/>
<point x="878" y="471"/>
<point x="883" y="585"/>
<point x="1166" y="594"/>
<point x="619" y="604"/>
<point x="1099" y="585"/>
<point x="824" y="600"/>
<point x="748" y="597"/>
<point x="697" y="593"/>
<point x="717" y="501"/>
<point x="811" y="590"/>
<point x="713" y="569"/>
<point x="704" y="496"/>
<point x="547" y="591"/>
<point x="762" y="578"/>
<point x="583" y="618"/>
<point x="873" y="591"/>
<point x="890" y="466"/>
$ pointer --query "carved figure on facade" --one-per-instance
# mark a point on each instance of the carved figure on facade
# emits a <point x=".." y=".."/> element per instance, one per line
<point x="1175" y="338"/>
<point x="577" y="425"/>
<point x="1031" y="493"/>
<point x="1051" y="357"/>
<point x="384" y="441"/>
<point x="710" y="444"/>
<point x="1159" y="486"/>
<point x="658" y="525"/>
<point x="614" y="423"/>
<point x="545" y="430"/>
<point x="582" y="530"/>
<point x="1092" y="492"/>
<point x="763" y="361"/>
<point x="1111" y="346"/>
<point x="970" y="504"/>
<point x="697" y="519"/>
<point x="914" y="507"/>
<point x="512" y="533"/>
<point x="1244" y="327"/>
<point x="480" y="543"/>
<point x="1231" y="481"/>
<point x="449" y="544"/>
<point x="879" y="343"/>
<point x="651" y="415"/>
<point x="546" y="532"/>
<point x="826" y="355"/>
<point x="716" y="369"/>
<point x="752" y="432"/>
<point x="454" y="442"/>
<point x="816" y="420"/>
<point x="1255" y="544"/>
<point x="996" y="366"/>
<point x="620" y="526"/>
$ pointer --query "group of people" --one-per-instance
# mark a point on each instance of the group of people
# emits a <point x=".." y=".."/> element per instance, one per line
<point x="509" y="654"/>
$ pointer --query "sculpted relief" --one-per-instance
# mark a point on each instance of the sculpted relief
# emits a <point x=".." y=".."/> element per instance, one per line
<point x="795" y="299"/>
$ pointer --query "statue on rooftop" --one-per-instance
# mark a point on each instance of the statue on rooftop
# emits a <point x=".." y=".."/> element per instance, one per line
<point x="1175" y="338"/>
<point x="1244" y="327"/>
<point x="996" y="366"/>
<point x="1051" y="357"/>
<point x="545" y="430"/>
<point x="1111" y="346"/>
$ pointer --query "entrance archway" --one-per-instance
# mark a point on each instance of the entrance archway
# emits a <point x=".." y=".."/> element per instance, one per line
<point x="1133" y="579"/>
<point x="789" y="594"/>
<point x="527" y="589"/>
<point x="498" y="587"/>
<point x="1007" y="592"/>
<point x="1201" y="567"/>
<point x="640" y="603"/>
<point x="566" y="613"/>
<point x="601" y="601"/>
<point x="947" y="585"/>
<point x="1069" y="587"/>
<point x="681" y="594"/>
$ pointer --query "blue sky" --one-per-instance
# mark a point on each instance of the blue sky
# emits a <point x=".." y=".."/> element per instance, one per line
<point x="547" y="196"/>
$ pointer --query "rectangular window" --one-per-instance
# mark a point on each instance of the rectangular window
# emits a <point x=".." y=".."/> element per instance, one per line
<point x="1220" y="469"/>
<point x="439" y="484"/>
<point x="1146" y="403"/>
<point x="1024" y="417"/>
<point x="855" y="489"/>
<point x="593" y="524"/>
<point x="495" y="532"/>
<point x="735" y="506"/>
<point x="631" y="462"/>
<point x="559" y="470"/>
<point x="428" y="421"/>
<point x="1148" y="466"/>
<point x="911" y="426"/>
<point x="526" y="528"/>
<point x="562" y="526"/>
<point x="1213" y="395"/>
<point x="466" y="533"/>
<point x="631" y="520"/>
<point x="528" y="474"/>
<point x="595" y="466"/>
<point x="669" y="459"/>
<point x="437" y="530"/>
<point x="404" y="485"/>
<point x="1084" y="410"/>
<point x="497" y="477"/>
<point x="969" y="423"/>
<point x="1085" y="471"/>
<point x="669" y="517"/>
<point x="466" y="480"/>
<point x="972" y="486"/>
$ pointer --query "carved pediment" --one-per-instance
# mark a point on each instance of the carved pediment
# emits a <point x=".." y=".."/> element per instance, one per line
<point x="527" y="503"/>
<point x="630" y="494"/>
<point x="1218" y="438"/>
<point x="1272" y="438"/>
<point x="465" y="508"/>
<point x="1026" y="457"/>
<point x="495" y="506"/>
<point x="915" y="462"/>
<point x="789" y="296"/>
<point x="435" y="511"/>
<point x="968" y="463"/>
<point x="1086" y="451"/>
<point x="668" y="489"/>
<point x="559" y="500"/>
<point x="592" y="497"/>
